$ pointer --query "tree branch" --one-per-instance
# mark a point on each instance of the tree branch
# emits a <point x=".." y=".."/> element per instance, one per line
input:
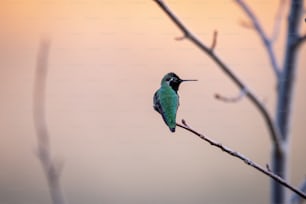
<point x="246" y="24"/>
<point x="51" y="169"/>
<point x="214" y="41"/>
<point x="278" y="20"/>
<point x="231" y="99"/>
<point x="297" y="199"/>
<point x="265" y="40"/>
<point x="242" y="158"/>
<point x="274" y="132"/>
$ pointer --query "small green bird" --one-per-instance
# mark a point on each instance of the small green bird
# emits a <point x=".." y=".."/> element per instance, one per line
<point x="166" y="99"/>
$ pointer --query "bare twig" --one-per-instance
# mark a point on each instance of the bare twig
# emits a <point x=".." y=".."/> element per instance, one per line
<point x="180" y="38"/>
<point x="51" y="169"/>
<point x="265" y="40"/>
<point x="242" y="158"/>
<point x="268" y="167"/>
<point x="214" y="41"/>
<point x="275" y="137"/>
<point x="278" y="20"/>
<point x="297" y="199"/>
<point x="246" y="24"/>
<point x="234" y="99"/>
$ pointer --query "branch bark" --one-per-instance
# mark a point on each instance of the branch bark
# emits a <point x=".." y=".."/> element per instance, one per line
<point x="242" y="158"/>
<point x="274" y="132"/>
<point x="51" y="169"/>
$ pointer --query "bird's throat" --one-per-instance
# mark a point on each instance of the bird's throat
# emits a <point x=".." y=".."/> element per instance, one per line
<point x="174" y="85"/>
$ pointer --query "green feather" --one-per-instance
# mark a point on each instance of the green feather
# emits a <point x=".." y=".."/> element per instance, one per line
<point x="166" y="103"/>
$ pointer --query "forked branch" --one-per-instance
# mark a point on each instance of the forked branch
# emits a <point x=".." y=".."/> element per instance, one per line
<point x="274" y="131"/>
<point x="242" y="158"/>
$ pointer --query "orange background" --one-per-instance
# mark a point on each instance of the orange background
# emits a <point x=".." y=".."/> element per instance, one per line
<point x="106" y="61"/>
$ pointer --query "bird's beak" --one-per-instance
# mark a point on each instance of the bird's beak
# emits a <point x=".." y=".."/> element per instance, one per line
<point x="188" y="80"/>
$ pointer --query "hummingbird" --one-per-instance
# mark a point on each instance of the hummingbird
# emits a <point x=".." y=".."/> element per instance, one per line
<point x="166" y="99"/>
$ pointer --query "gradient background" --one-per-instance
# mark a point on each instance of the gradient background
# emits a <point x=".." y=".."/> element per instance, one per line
<point x="106" y="60"/>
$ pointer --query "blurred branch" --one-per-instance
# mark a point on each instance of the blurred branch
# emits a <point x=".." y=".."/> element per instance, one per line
<point x="274" y="132"/>
<point x="242" y="158"/>
<point x="234" y="99"/>
<point x="246" y="24"/>
<point x="51" y="169"/>
<point x="265" y="40"/>
<point x="295" y="199"/>
<point x="278" y="20"/>
<point x="285" y="95"/>
<point x="214" y="41"/>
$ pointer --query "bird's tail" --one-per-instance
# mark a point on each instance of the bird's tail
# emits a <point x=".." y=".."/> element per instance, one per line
<point x="172" y="129"/>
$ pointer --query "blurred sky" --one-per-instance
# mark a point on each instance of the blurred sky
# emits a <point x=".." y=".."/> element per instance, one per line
<point x="106" y="61"/>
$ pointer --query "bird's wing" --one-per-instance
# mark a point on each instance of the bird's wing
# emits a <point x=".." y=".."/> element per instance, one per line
<point x="156" y="102"/>
<point x="168" y="104"/>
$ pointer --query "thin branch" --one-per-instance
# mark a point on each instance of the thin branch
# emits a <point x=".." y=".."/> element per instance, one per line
<point x="214" y="41"/>
<point x="297" y="199"/>
<point x="242" y="158"/>
<point x="274" y="132"/>
<point x="265" y="40"/>
<point x="234" y="99"/>
<point x="51" y="169"/>
<point x="179" y="38"/>
<point x="246" y="24"/>
<point x="278" y="20"/>
<point x="268" y="167"/>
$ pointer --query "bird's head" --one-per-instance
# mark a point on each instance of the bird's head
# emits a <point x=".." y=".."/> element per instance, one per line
<point x="173" y="80"/>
